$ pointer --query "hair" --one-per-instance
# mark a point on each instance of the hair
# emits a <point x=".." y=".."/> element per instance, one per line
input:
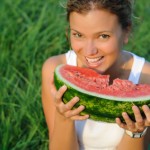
<point x="121" y="8"/>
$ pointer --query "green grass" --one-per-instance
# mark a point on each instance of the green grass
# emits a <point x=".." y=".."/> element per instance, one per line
<point x="30" y="32"/>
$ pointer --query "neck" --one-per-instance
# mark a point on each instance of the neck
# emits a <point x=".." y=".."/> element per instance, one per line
<point x="122" y="67"/>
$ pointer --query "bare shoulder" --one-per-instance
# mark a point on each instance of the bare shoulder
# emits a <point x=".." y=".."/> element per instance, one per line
<point x="54" y="61"/>
<point x="50" y="64"/>
<point x="145" y="77"/>
<point x="147" y="67"/>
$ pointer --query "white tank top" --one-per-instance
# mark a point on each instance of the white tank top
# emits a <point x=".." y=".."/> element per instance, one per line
<point x="97" y="135"/>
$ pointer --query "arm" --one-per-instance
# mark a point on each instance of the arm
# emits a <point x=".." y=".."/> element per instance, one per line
<point x="61" y="131"/>
<point x="137" y="143"/>
<point x="59" y="116"/>
<point x="63" y="135"/>
<point x="128" y="143"/>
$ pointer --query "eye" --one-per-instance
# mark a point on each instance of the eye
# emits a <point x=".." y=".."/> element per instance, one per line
<point x="77" y="35"/>
<point x="104" y="36"/>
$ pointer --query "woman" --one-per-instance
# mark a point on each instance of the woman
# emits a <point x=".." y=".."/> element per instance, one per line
<point x="98" y="31"/>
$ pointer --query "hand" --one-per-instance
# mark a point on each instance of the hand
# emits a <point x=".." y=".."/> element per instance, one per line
<point x="66" y="109"/>
<point x="140" y="123"/>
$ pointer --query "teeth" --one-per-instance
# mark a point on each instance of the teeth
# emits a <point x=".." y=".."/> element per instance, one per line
<point x="93" y="59"/>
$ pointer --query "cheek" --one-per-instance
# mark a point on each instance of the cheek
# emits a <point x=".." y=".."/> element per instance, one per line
<point x="115" y="45"/>
<point x="109" y="47"/>
<point x="76" y="45"/>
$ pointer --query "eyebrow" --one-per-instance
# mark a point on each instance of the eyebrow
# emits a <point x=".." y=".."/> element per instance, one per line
<point x="100" y="32"/>
<point x="75" y="30"/>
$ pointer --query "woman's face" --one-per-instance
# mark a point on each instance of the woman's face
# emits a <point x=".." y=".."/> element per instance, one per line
<point x="97" y="38"/>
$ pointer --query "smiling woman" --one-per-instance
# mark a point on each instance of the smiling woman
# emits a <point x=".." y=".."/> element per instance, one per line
<point x="97" y="36"/>
<point x="31" y="31"/>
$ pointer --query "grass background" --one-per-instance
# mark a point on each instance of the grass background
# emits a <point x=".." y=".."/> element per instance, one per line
<point x="30" y="32"/>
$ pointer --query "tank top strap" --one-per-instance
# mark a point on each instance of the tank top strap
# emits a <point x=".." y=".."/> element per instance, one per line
<point x="136" y="69"/>
<point x="71" y="58"/>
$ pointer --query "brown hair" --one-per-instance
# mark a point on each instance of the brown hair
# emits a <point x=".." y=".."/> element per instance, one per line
<point x="121" y="8"/>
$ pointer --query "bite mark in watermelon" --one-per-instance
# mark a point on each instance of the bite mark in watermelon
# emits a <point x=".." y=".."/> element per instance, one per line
<point x="103" y="101"/>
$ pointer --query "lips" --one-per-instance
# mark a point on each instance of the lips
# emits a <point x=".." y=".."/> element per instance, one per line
<point x="94" y="62"/>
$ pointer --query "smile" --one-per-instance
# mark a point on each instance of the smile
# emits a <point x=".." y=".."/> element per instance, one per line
<point x="94" y="62"/>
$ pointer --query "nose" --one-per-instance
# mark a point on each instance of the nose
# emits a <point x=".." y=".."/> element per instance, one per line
<point x="90" y="48"/>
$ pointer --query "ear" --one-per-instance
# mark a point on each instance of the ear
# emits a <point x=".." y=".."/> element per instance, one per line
<point x="127" y="34"/>
<point x="126" y="39"/>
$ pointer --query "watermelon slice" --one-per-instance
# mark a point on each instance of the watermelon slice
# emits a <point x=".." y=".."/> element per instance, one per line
<point x="103" y="101"/>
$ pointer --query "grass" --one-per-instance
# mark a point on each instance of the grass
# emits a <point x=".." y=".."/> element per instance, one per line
<point x="30" y="32"/>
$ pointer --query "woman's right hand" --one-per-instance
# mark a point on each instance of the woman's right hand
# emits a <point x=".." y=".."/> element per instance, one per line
<point x="66" y="109"/>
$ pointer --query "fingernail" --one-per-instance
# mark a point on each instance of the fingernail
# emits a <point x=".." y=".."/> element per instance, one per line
<point x="82" y="107"/>
<point x="64" y="87"/>
<point x="134" y="106"/>
<point x="124" y="113"/>
<point x="76" y="98"/>
<point x="145" y="107"/>
<point x="87" y="116"/>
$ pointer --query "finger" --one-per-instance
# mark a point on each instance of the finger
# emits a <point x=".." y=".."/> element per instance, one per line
<point x="59" y="94"/>
<point x="67" y="107"/>
<point x="122" y="125"/>
<point x="71" y="103"/>
<point x="79" y="117"/>
<point x="74" y="112"/>
<point x="146" y="110"/>
<point x="130" y="124"/>
<point x="138" y="118"/>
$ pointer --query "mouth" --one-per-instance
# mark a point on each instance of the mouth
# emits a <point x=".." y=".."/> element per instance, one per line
<point x="94" y="62"/>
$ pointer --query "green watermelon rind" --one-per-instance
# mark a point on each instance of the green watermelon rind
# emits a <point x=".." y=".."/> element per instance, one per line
<point x="99" y="107"/>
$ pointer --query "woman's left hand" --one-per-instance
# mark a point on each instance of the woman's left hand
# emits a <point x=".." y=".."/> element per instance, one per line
<point x="140" y="123"/>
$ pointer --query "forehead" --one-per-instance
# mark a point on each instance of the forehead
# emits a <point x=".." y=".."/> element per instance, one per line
<point x="94" y="20"/>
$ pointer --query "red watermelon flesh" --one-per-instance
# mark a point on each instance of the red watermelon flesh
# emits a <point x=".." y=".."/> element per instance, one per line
<point x="103" y="101"/>
<point x="90" y="80"/>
